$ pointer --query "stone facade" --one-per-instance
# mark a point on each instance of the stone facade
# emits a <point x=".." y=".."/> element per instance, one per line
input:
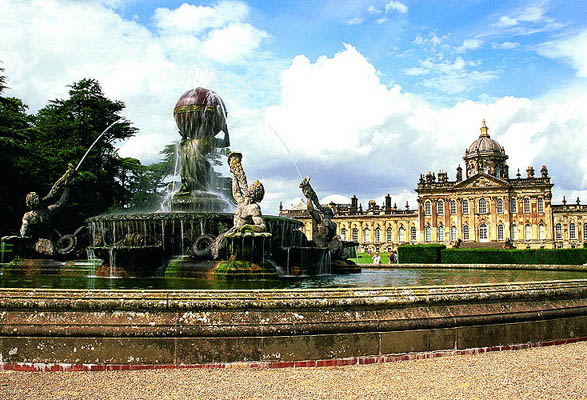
<point x="485" y="209"/>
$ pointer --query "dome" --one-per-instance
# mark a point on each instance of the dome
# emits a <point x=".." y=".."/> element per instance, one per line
<point x="484" y="144"/>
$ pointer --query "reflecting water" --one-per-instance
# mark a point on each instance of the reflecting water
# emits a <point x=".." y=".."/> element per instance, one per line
<point x="368" y="278"/>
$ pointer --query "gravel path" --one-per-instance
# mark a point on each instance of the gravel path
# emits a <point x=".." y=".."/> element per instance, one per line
<point x="555" y="372"/>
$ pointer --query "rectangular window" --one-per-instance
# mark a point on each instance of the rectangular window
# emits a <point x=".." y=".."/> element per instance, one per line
<point x="558" y="231"/>
<point x="453" y="234"/>
<point x="453" y="207"/>
<point x="465" y="207"/>
<point x="440" y="208"/>
<point x="466" y="232"/>
<point x="540" y="205"/>
<point x="413" y="234"/>
<point x="526" y="206"/>
<point x="513" y="207"/>
<point x="572" y="231"/>
<point x="441" y="234"/>
<point x="499" y="207"/>
<point x="541" y="232"/>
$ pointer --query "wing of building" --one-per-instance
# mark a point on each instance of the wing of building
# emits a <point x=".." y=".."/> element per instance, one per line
<point x="484" y="208"/>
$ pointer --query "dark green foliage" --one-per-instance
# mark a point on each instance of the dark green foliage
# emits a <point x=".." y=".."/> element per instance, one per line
<point x="420" y="254"/>
<point x="37" y="148"/>
<point x="514" y="256"/>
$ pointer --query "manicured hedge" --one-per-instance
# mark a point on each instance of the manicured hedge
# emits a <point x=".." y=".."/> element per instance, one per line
<point x="514" y="256"/>
<point x="420" y="254"/>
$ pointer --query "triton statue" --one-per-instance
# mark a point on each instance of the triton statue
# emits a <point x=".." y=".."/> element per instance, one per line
<point x="36" y="224"/>
<point x="247" y="215"/>
<point x="324" y="230"/>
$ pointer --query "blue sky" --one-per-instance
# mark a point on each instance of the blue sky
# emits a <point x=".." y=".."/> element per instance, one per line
<point x="365" y="94"/>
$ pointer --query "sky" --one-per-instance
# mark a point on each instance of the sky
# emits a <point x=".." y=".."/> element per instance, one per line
<point x="362" y="96"/>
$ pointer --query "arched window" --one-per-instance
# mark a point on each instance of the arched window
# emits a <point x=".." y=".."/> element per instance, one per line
<point x="527" y="232"/>
<point x="526" y="206"/>
<point x="355" y="235"/>
<point x="513" y="207"/>
<point x="377" y="234"/>
<point x="402" y="234"/>
<point x="572" y="231"/>
<point x="441" y="233"/>
<point x="500" y="232"/>
<point x="558" y="229"/>
<point x="427" y="208"/>
<point x="440" y="207"/>
<point x="540" y="205"/>
<point x="390" y="234"/>
<point x="343" y="234"/>
<point x="465" y="207"/>
<point x="453" y="233"/>
<point x="453" y="207"/>
<point x="483" y="233"/>
<point x="514" y="232"/>
<point x="413" y="234"/>
<point x="466" y="232"/>
<point x="428" y="233"/>
<point x="499" y="206"/>
<point x="482" y="206"/>
<point x="366" y="235"/>
<point x="541" y="232"/>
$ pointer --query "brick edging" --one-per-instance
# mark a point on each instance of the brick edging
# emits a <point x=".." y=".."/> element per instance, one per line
<point x="364" y="360"/>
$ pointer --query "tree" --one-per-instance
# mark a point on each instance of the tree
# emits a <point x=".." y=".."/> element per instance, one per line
<point x="64" y="130"/>
<point x="15" y="127"/>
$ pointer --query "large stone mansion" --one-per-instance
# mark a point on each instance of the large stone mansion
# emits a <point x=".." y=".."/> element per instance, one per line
<point x="483" y="208"/>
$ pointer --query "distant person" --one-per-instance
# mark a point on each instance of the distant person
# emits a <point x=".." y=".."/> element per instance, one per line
<point x="376" y="258"/>
<point x="369" y="252"/>
<point x="395" y="257"/>
<point x="390" y="255"/>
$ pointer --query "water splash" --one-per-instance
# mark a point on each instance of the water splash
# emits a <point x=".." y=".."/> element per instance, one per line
<point x="288" y="152"/>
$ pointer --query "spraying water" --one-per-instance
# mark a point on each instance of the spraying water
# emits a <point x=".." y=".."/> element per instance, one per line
<point x="96" y="141"/>
<point x="288" y="152"/>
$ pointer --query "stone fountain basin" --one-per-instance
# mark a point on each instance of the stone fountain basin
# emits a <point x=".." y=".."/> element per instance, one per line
<point x="113" y="329"/>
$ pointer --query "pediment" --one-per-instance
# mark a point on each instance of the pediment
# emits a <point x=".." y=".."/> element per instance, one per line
<point x="482" y="181"/>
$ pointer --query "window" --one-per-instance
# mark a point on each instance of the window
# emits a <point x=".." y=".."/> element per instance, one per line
<point x="377" y="234"/>
<point x="526" y="206"/>
<point x="440" y="207"/>
<point x="541" y="232"/>
<point x="558" y="229"/>
<point x="514" y="232"/>
<point x="572" y="231"/>
<point x="483" y="233"/>
<point x="453" y="207"/>
<point x="453" y="233"/>
<point x="413" y="234"/>
<point x="499" y="206"/>
<point x="466" y="232"/>
<point x="343" y="234"/>
<point x="500" y="232"/>
<point x="355" y="235"/>
<point x="428" y="233"/>
<point x="465" y="207"/>
<point x="366" y="235"/>
<point x="527" y="232"/>
<point x="540" y="205"/>
<point x="513" y="207"/>
<point x="482" y="206"/>
<point x="390" y="234"/>
<point x="585" y="232"/>
<point x="427" y="209"/>
<point x="402" y="234"/>
<point x="441" y="234"/>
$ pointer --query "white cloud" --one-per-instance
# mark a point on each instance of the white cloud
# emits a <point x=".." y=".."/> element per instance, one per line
<point x="354" y="21"/>
<point x="469" y="44"/>
<point x="573" y="50"/>
<point x="526" y="21"/>
<point x="396" y="6"/>
<point x="232" y="43"/>
<point x="195" y="19"/>
<point x="505" y="45"/>
<point x="373" y="10"/>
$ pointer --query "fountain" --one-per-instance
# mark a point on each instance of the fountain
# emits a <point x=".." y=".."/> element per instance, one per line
<point x="103" y="325"/>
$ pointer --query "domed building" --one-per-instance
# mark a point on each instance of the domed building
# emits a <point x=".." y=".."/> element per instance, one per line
<point x="485" y="209"/>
